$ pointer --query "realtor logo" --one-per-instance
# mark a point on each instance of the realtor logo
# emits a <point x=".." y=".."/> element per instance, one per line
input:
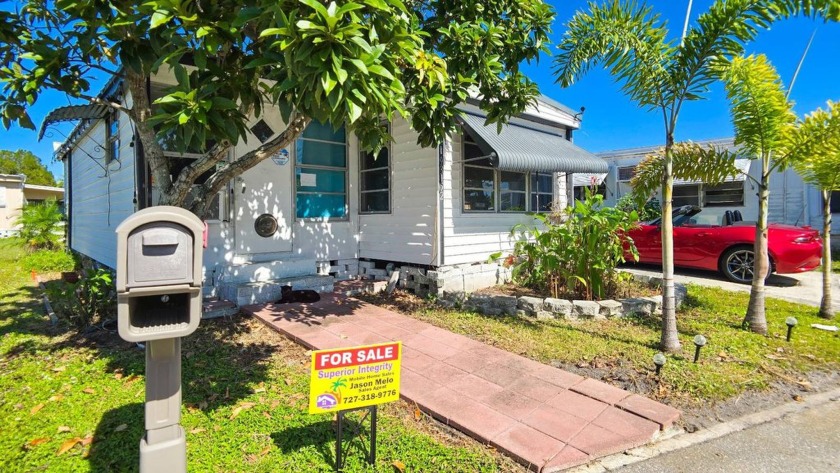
<point x="326" y="401"/>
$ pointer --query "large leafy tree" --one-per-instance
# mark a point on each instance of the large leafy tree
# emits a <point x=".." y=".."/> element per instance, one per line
<point x="815" y="154"/>
<point x="661" y="75"/>
<point x="26" y="163"/>
<point x="343" y="62"/>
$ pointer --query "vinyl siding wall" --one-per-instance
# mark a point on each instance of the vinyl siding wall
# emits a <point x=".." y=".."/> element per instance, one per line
<point x="407" y="234"/>
<point x="101" y="198"/>
<point x="471" y="237"/>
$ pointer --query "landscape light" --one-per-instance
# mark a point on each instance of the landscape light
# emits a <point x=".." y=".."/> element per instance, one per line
<point x="659" y="360"/>
<point x="790" y="322"/>
<point x="699" y="342"/>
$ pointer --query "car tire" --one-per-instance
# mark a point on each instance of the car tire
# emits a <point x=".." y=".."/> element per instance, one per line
<point x="737" y="264"/>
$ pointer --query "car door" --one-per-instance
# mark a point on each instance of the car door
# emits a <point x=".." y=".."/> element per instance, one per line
<point x="690" y="243"/>
<point x="648" y="241"/>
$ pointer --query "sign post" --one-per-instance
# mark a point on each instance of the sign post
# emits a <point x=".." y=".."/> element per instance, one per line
<point x="355" y="378"/>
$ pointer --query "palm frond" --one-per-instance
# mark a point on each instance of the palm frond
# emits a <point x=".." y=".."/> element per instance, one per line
<point x="814" y="148"/>
<point x="691" y="161"/>
<point x="762" y="115"/>
<point x="628" y="39"/>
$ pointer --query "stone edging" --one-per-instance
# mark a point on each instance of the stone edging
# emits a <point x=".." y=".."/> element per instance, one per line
<point x="550" y="308"/>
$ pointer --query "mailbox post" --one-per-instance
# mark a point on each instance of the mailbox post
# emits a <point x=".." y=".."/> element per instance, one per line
<point x="159" y="255"/>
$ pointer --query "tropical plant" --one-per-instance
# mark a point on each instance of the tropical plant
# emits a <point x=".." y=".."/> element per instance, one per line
<point x="646" y="211"/>
<point x="661" y="75"/>
<point x="342" y="62"/>
<point x="576" y="254"/>
<point x="41" y="225"/>
<point x="764" y="120"/>
<point x="336" y="388"/>
<point x="815" y="153"/>
<point x="85" y="302"/>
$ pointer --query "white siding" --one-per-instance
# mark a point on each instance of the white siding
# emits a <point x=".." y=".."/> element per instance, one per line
<point x="471" y="237"/>
<point x="407" y="234"/>
<point x="100" y="198"/>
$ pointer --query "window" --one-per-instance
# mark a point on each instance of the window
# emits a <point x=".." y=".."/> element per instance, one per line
<point x="487" y="189"/>
<point x="321" y="172"/>
<point x="728" y="194"/>
<point x="835" y="202"/>
<point x="375" y="181"/>
<point x="626" y="173"/>
<point x="479" y="179"/>
<point x="580" y="191"/>
<point x="686" y="195"/>
<point x="112" y="136"/>
<point x="542" y="191"/>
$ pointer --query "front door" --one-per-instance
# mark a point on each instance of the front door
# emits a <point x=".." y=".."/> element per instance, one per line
<point x="263" y="209"/>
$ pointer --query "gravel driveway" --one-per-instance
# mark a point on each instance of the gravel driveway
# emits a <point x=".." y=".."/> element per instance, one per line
<point x="803" y="288"/>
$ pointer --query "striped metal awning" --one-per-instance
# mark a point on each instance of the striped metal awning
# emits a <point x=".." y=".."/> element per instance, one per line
<point x="519" y="148"/>
<point x="73" y="112"/>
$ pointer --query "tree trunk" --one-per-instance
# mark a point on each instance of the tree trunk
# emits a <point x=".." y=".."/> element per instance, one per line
<point x="826" y="310"/>
<point x="669" y="342"/>
<point x="141" y="112"/>
<point x="755" y="316"/>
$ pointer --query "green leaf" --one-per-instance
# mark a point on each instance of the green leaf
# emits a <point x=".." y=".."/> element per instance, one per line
<point x="159" y="18"/>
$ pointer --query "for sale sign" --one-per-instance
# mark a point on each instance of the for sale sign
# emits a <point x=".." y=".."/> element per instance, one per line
<point x="347" y="378"/>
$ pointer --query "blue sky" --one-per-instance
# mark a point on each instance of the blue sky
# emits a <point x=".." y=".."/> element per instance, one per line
<point x="611" y="121"/>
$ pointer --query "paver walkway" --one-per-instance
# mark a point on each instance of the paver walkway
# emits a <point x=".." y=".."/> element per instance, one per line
<point x="544" y="417"/>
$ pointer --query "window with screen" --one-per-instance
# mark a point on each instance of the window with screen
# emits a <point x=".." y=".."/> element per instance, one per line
<point x="479" y="179"/>
<point x="375" y="181"/>
<point x="626" y="173"/>
<point x="728" y="194"/>
<point x="542" y="191"/>
<point x="686" y="195"/>
<point x="321" y="172"/>
<point x="112" y="132"/>
<point x="513" y="191"/>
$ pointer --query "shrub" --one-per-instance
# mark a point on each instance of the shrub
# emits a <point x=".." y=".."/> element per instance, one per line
<point x="41" y="225"/>
<point x="629" y="203"/>
<point x="49" y="261"/>
<point x="85" y="302"/>
<point x="576" y="252"/>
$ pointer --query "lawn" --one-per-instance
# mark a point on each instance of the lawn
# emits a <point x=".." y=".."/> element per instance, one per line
<point x="73" y="403"/>
<point x="620" y="351"/>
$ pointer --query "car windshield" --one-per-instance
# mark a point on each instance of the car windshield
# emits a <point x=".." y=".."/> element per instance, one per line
<point x="681" y="215"/>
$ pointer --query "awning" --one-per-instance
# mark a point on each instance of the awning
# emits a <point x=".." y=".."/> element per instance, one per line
<point x="743" y="166"/>
<point x="518" y="148"/>
<point x="73" y="112"/>
<point x="589" y="179"/>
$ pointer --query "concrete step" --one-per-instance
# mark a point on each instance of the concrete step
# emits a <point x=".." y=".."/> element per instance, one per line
<point x="262" y="292"/>
<point x="212" y="309"/>
<point x="269" y="270"/>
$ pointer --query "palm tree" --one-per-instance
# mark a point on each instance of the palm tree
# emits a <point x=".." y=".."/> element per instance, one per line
<point x="815" y="153"/>
<point x="336" y="388"/>
<point x="764" y="120"/>
<point x="40" y="225"/>
<point x="660" y="75"/>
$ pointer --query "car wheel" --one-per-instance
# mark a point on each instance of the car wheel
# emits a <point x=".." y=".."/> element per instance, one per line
<point x="737" y="264"/>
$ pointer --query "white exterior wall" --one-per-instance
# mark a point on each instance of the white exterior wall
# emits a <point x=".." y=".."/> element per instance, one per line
<point x="408" y="233"/>
<point x="11" y="203"/>
<point x="100" y="198"/>
<point x="471" y="237"/>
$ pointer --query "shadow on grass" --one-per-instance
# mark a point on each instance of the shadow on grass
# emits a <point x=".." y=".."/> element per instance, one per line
<point x="118" y="451"/>
<point x="322" y="436"/>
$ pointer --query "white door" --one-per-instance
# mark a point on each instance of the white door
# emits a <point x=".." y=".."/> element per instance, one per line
<point x="264" y="194"/>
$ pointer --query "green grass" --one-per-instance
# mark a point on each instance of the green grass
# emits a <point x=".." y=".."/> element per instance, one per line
<point x="245" y="399"/>
<point x="620" y="351"/>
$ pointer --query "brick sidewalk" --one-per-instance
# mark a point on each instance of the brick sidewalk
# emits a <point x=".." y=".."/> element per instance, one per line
<point x="544" y="417"/>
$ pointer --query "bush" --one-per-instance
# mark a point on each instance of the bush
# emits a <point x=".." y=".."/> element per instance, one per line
<point x="49" y="261"/>
<point x="86" y="302"/>
<point x="649" y="211"/>
<point x="575" y="253"/>
<point x="41" y="225"/>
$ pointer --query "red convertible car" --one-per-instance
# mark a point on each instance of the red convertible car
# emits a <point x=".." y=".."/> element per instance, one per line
<point x="728" y="248"/>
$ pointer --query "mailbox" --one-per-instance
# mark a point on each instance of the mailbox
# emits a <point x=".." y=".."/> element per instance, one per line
<point x="159" y="255"/>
